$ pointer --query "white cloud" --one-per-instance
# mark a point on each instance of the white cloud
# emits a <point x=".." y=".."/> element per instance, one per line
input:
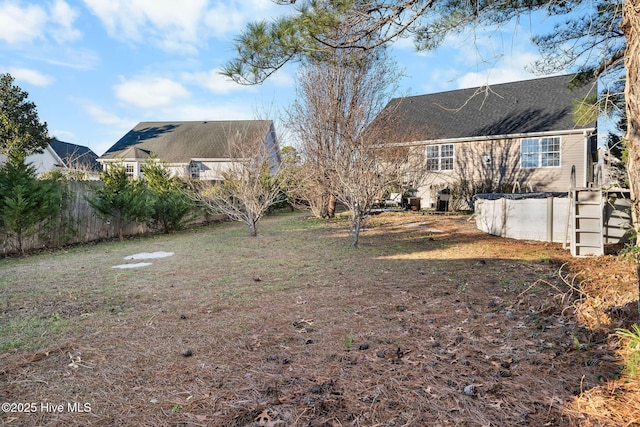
<point x="33" y="77"/>
<point x="102" y="116"/>
<point x="234" y="19"/>
<point x="114" y="16"/>
<point x="214" y="81"/>
<point x="437" y="79"/>
<point x="282" y="79"/>
<point x="115" y="127"/>
<point x="81" y="59"/>
<point x="178" y="27"/>
<point x="405" y="43"/>
<point x="166" y="23"/>
<point x="178" y="46"/>
<point x="229" y="17"/>
<point x="30" y="23"/>
<point x="500" y="74"/>
<point x="481" y="56"/>
<point x="62" y="135"/>
<point x="150" y="92"/>
<point x="64" y="16"/>
<point x="228" y="110"/>
<point x="18" y="25"/>
<point x="495" y="66"/>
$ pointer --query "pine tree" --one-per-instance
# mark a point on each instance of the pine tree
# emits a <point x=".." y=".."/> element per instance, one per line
<point x="121" y="198"/>
<point x="25" y="200"/>
<point x="172" y="207"/>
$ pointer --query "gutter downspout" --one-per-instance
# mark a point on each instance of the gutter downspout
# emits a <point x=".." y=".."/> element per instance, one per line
<point x="585" y="136"/>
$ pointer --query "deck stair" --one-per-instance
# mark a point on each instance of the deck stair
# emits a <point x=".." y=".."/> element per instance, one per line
<point x="586" y="218"/>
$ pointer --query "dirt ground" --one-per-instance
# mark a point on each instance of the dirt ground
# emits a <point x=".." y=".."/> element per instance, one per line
<point x="430" y="323"/>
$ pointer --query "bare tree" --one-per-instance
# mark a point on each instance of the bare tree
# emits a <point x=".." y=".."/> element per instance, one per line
<point x="251" y="183"/>
<point x="339" y="95"/>
<point x="303" y="189"/>
<point x="312" y="118"/>
<point x="361" y="174"/>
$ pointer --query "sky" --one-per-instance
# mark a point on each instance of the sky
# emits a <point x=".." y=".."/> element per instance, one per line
<point x="96" y="68"/>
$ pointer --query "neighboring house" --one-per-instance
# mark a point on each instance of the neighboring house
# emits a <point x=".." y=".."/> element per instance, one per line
<point x="65" y="157"/>
<point x="192" y="149"/>
<point x="498" y="138"/>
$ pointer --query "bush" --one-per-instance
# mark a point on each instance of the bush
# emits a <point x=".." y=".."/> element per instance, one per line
<point x="121" y="199"/>
<point x="171" y="206"/>
<point x="26" y="201"/>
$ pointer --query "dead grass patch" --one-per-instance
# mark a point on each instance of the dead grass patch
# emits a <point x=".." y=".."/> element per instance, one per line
<point x="431" y="322"/>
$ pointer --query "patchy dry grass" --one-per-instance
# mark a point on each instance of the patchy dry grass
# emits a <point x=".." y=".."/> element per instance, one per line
<point x="431" y="322"/>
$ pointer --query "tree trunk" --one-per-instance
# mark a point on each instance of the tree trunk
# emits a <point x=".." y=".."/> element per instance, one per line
<point x="253" y="227"/>
<point x="19" y="240"/>
<point x="357" y="224"/>
<point x="631" y="27"/>
<point x="331" y="207"/>
<point x="318" y="205"/>
<point x="357" y="215"/>
<point x="324" y="205"/>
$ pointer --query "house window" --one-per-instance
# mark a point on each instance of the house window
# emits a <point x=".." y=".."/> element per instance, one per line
<point x="540" y="152"/>
<point x="440" y="157"/>
<point x="130" y="169"/>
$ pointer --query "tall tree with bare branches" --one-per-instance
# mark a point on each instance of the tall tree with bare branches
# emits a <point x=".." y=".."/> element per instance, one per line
<point x="340" y="93"/>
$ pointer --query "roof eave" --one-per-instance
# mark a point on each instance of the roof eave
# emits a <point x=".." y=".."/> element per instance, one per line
<point x="585" y="131"/>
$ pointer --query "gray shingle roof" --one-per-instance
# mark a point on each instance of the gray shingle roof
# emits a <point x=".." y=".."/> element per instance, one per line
<point x="537" y="105"/>
<point x="75" y="155"/>
<point x="179" y="142"/>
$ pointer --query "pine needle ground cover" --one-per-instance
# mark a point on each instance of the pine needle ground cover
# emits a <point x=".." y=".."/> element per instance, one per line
<point x="430" y="322"/>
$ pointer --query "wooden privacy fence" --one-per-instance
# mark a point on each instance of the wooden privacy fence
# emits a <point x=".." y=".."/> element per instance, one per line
<point x="77" y="222"/>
